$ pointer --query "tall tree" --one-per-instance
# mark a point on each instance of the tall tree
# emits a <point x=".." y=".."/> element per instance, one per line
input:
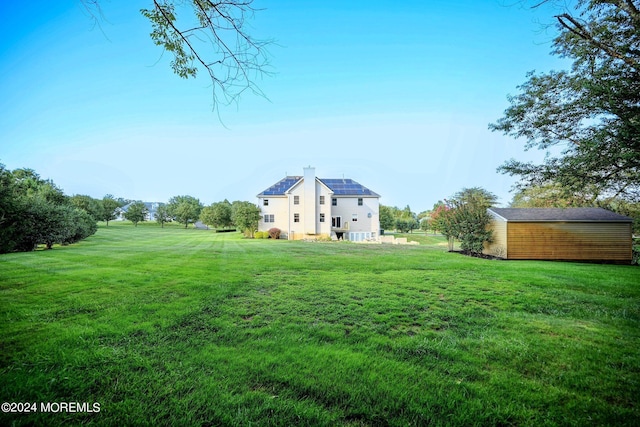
<point x="109" y="206"/>
<point x="551" y="195"/>
<point x="162" y="215"/>
<point x="217" y="215"/>
<point x="184" y="209"/>
<point x="476" y="196"/>
<point x="136" y="212"/>
<point x="246" y="216"/>
<point x="28" y="183"/>
<point x="387" y="220"/>
<point x="88" y="204"/>
<point x="591" y="112"/>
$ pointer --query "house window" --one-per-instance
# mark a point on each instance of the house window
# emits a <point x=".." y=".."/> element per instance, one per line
<point x="265" y="202"/>
<point x="322" y="200"/>
<point x="269" y="218"/>
<point x="296" y="200"/>
<point x="296" y="217"/>
<point x="334" y="202"/>
<point x="354" y="218"/>
<point x="360" y="201"/>
<point x="321" y="217"/>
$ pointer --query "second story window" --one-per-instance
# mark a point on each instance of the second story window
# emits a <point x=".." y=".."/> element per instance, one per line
<point x="360" y="201"/>
<point x="322" y="200"/>
<point x="265" y="202"/>
<point x="334" y="202"/>
<point x="296" y="200"/>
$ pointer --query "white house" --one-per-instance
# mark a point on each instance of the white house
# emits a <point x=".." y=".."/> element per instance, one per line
<point x="152" y="207"/>
<point x="310" y="207"/>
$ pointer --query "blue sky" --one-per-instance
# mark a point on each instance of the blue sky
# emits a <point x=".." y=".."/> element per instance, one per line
<point x="396" y="96"/>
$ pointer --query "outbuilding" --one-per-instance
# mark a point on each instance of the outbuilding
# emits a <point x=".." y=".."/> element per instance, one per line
<point x="579" y="234"/>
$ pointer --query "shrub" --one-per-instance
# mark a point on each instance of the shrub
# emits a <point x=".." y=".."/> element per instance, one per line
<point x="471" y="226"/>
<point x="274" y="233"/>
<point x="261" y="235"/>
<point x="465" y="218"/>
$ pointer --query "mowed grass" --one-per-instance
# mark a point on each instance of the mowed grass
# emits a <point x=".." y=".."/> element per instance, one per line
<point x="189" y="327"/>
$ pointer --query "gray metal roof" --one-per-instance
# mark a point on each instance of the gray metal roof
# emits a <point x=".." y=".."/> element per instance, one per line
<point x="559" y="215"/>
<point x="339" y="187"/>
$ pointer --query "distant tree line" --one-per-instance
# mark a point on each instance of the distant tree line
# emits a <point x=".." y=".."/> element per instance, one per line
<point x="402" y="220"/>
<point x="186" y="210"/>
<point x="241" y="215"/>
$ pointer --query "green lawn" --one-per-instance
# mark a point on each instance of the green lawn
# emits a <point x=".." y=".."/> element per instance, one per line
<point x="190" y="327"/>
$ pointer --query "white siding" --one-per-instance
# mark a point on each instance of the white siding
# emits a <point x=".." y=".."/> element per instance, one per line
<point x="278" y="207"/>
<point x="308" y="191"/>
<point x="368" y="214"/>
<point x="309" y="202"/>
<point x="498" y="247"/>
<point x="324" y="228"/>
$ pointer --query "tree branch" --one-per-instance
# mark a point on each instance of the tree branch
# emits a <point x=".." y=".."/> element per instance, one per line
<point x="169" y="21"/>
<point x="578" y="29"/>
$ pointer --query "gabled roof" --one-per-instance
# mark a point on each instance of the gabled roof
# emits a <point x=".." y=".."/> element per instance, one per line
<point x="558" y="215"/>
<point x="339" y="187"/>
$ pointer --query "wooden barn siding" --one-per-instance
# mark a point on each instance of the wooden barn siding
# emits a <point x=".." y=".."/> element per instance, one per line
<point x="586" y="241"/>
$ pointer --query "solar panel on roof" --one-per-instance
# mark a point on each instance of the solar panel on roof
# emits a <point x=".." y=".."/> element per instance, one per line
<point x="341" y="187"/>
<point x="280" y="187"/>
<point x="346" y="187"/>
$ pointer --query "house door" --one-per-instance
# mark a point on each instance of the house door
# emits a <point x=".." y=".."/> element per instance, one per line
<point x="336" y="222"/>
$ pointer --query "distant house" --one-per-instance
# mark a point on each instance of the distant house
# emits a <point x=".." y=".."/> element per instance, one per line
<point x="310" y="207"/>
<point x="152" y="207"/>
<point x="581" y="234"/>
